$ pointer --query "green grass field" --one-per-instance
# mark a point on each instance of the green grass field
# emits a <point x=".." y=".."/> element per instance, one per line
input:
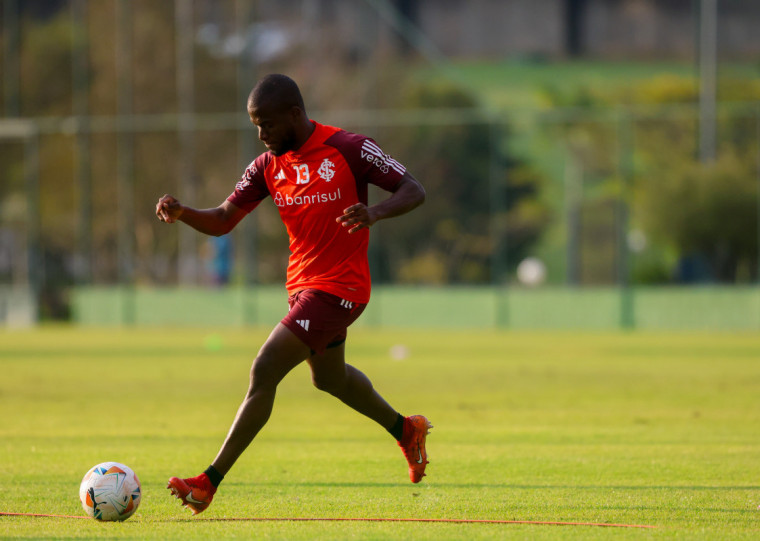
<point x="645" y="429"/>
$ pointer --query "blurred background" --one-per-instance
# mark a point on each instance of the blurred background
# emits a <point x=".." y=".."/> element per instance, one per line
<point x="588" y="163"/>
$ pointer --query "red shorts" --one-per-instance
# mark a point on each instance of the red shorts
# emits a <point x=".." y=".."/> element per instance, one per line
<point x="320" y="319"/>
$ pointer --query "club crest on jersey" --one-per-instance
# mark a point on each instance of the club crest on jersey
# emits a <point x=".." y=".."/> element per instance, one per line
<point x="326" y="170"/>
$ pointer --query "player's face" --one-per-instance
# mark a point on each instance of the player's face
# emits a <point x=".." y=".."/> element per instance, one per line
<point x="277" y="127"/>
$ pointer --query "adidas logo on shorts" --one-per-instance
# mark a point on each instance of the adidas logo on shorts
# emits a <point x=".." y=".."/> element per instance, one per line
<point x="346" y="304"/>
<point x="303" y="323"/>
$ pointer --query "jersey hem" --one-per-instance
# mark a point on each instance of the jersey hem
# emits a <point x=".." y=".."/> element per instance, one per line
<point x="352" y="296"/>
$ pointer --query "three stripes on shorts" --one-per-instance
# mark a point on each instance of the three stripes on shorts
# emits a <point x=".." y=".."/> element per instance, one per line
<point x="305" y="322"/>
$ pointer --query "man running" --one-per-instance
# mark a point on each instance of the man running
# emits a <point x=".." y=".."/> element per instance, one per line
<point x="318" y="177"/>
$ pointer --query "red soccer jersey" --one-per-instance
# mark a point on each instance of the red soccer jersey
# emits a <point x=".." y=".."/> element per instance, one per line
<point x="311" y="187"/>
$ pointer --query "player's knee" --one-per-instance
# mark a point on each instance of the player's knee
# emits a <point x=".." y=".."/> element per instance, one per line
<point x="328" y="383"/>
<point x="263" y="373"/>
<point x="321" y="383"/>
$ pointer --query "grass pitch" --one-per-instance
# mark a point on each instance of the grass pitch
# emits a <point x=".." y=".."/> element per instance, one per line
<point x="647" y="429"/>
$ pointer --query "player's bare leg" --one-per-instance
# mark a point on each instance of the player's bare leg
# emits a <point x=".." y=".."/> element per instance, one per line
<point x="330" y="373"/>
<point x="279" y="355"/>
<point x="282" y="352"/>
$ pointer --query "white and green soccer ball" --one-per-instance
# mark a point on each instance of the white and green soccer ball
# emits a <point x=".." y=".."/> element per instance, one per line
<point x="110" y="491"/>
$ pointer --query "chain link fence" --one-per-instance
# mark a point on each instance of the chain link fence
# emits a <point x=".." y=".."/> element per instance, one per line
<point x="563" y="199"/>
<point x="604" y="199"/>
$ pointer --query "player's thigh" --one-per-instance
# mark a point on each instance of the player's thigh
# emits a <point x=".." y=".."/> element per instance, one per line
<point x="281" y="352"/>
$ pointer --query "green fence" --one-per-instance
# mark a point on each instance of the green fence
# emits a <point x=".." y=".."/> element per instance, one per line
<point x="662" y="308"/>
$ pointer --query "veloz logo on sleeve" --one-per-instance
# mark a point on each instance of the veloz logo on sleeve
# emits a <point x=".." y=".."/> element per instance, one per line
<point x="372" y="153"/>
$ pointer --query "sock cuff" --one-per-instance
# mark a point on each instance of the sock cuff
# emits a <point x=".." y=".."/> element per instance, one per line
<point x="214" y="476"/>
<point x="397" y="430"/>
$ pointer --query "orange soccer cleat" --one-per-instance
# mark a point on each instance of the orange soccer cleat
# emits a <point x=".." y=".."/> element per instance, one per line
<point x="196" y="493"/>
<point x="416" y="429"/>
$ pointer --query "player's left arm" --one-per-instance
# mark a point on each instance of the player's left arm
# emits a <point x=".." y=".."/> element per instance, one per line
<point x="407" y="195"/>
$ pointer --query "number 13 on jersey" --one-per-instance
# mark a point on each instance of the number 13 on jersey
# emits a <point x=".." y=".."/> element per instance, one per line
<point x="302" y="173"/>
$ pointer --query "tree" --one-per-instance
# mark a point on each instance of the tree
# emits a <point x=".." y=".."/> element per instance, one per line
<point x="703" y="213"/>
<point x="469" y="217"/>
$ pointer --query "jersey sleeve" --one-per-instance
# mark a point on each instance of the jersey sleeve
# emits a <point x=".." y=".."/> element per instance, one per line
<point x="381" y="169"/>
<point x="252" y="187"/>
<point x="368" y="162"/>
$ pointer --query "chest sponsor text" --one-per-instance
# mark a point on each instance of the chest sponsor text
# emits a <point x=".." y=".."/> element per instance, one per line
<point x="308" y="199"/>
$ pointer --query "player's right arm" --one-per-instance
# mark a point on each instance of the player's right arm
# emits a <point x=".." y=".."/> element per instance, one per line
<point x="214" y="221"/>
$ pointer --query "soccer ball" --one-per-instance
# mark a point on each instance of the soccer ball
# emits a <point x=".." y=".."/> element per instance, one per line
<point x="110" y="491"/>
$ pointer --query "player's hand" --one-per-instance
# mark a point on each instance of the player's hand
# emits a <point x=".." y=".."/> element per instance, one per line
<point x="356" y="217"/>
<point x="168" y="209"/>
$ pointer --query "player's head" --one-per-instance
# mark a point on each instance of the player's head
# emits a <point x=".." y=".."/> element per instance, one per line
<point x="276" y="108"/>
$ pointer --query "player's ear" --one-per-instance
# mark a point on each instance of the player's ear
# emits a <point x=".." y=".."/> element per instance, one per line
<point x="296" y="113"/>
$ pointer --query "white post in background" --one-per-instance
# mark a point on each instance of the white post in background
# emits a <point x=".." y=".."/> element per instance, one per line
<point x="189" y="262"/>
<point x="125" y="167"/>
<point x="80" y="84"/>
<point x="11" y="60"/>
<point x="708" y="49"/>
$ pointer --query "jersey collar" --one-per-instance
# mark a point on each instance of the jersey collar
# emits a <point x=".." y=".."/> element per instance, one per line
<point x="313" y="140"/>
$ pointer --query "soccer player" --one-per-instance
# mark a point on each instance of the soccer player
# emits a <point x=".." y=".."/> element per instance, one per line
<point x="318" y="177"/>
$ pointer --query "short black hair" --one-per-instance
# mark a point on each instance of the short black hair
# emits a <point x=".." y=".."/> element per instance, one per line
<point x="278" y="90"/>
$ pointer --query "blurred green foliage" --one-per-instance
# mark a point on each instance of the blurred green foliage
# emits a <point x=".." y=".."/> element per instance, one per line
<point x="699" y="219"/>
<point x="479" y="195"/>
<point x="498" y="189"/>
<point x="482" y="200"/>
